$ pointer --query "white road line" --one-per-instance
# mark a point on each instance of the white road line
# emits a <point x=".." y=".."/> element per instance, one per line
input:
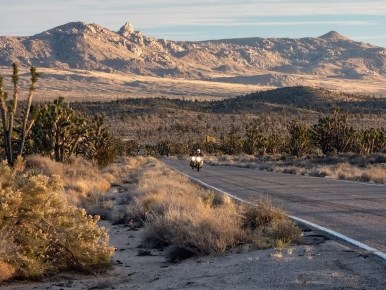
<point x="300" y="220"/>
<point x="342" y="237"/>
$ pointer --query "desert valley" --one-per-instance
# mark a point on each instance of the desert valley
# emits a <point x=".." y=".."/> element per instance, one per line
<point x="94" y="193"/>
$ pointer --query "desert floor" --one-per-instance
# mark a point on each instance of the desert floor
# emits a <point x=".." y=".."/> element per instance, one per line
<point x="82" y="85"/>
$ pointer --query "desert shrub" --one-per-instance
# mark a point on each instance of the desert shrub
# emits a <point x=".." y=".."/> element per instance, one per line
<point x="202" y="231"/>
<point x="117" y="205"/>
<point x="267" y="225"/>
<point x="254" y="217"/>
<point x="83" y="181"/>
<point x="124" y="168"/>
<point x="7" y="248"/>
<point x="186" y="218"/>
<point x="45" y="232"/>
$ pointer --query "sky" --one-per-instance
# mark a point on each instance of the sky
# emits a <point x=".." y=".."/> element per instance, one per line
<point x="360" y="20"/>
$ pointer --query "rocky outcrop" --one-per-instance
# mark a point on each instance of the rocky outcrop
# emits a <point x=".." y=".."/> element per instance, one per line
<point x="126" y="30"/>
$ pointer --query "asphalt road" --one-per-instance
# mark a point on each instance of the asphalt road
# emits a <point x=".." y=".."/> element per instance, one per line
<point x="357" y="210"/>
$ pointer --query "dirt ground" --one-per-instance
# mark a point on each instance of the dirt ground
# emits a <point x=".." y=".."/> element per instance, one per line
<point x="317" y="263"/>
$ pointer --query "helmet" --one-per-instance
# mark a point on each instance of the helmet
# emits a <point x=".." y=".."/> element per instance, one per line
<point x="198" y="150"/>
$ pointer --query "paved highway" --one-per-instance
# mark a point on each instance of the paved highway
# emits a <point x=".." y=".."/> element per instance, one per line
<point x="357" y="210"/>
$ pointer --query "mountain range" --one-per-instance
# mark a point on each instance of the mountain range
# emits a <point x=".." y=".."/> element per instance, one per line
<point x="274" y="62"/>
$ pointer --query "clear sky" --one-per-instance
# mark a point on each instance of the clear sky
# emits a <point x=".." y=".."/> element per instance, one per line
<point x="361" y="20"/>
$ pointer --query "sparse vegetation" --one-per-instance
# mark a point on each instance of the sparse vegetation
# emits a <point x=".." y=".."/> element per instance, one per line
<point x="193" y="221"/>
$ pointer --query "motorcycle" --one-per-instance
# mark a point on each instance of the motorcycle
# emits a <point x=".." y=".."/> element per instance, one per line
<point x="196" y="162"/>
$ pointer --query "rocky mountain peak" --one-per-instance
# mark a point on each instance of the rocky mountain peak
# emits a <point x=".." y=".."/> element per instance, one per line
<point x="69" y="28"/>
<point x="333" y="36"/>
<point x="126" y="30"/>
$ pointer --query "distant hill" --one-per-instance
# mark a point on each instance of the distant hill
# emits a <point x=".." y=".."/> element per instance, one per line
<point x="300" y="97"/>
<point x="289" y="99"/>
<point x="78" y="45"/>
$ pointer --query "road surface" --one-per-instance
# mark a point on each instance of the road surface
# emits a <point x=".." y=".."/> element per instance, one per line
<point x="356" y="210"/>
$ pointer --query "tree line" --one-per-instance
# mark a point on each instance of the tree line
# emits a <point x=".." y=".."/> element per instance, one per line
<point x="330" y="134"/>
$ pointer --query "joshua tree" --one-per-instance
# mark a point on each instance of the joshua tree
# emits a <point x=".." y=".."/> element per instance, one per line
<point x="14" y="140"/>
<point x="300" y="139"/>
<point x="252" y="136"/>
<point x="63" y="132"/>
<point x="333" y="132"/>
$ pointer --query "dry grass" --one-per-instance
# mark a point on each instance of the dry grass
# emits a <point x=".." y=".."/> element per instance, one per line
<point x="370" y="168"/>
<point x="190" y="220"/>
<point x="268" y="225"/>
<point x="121" y="171"/>
<point x="84" y="183"/>
<point x="6" y="271"/>
<point x="346" y="171"/>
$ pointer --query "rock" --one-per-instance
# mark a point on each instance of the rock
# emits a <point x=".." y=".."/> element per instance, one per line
<point x="126" y="30"/>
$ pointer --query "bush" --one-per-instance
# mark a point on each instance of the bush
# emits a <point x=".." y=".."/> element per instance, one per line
<point x="83" y="181"/>
<point x="44" y="231"/>
<point x="267" y="225"/>
<point x="201" y="231"/>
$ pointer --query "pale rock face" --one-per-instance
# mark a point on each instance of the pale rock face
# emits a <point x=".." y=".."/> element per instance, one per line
<point x="126" y="30"/>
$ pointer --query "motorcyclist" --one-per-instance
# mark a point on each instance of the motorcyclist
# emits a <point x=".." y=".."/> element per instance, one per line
<point x="196" y="160"/>
<point x="196" y="153"/>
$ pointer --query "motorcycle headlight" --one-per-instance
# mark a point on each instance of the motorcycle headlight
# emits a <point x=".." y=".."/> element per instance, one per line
<point x="193" y="158"/>
<point x="198" y="159"/>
